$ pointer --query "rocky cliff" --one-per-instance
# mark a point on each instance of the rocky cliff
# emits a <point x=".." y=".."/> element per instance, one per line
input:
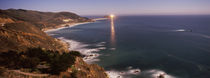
<point x="22" y="29"/>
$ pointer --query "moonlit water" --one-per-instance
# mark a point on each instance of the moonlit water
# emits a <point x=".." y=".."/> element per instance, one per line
<point x="145" y="46"/>
<point x="112" y="32"/>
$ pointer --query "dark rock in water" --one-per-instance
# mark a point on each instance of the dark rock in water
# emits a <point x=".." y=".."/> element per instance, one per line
<point x="161" y="76"/>
<point x="83" y="56"/>
<point x="121" y="72"/>
<point x="136" y="71"/>
<point x="94" y="71"/>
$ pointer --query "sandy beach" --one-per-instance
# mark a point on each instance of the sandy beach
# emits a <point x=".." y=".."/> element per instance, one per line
<point x="64" y="26"/>
<point x="67" y="25"/>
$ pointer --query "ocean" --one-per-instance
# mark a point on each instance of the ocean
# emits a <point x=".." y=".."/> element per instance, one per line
<point x="175" y="46"/>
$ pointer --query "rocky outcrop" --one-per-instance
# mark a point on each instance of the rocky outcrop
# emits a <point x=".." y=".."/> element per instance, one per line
<point x="84" y="70"/>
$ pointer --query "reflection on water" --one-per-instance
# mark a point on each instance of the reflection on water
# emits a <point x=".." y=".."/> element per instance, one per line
<point x="112" y="33"/>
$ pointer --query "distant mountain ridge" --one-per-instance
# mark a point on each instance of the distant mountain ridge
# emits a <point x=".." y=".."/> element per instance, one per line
<point x="42" y="19"/>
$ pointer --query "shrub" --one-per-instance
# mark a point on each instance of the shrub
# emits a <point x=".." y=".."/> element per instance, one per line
<point x="34" y="56"/>
<point x="75" y="53"/>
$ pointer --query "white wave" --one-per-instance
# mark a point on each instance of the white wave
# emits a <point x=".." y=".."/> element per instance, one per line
<point x="205" y="36"/>
<point x="154" y="73"/>
<point x="123" y="74"/>
<point x="102" y="48"/>
<point x="90" y="53"/>
<point x="100" y="44"/>
<point x="112" y="48"/>
<point x="180" y="30"/>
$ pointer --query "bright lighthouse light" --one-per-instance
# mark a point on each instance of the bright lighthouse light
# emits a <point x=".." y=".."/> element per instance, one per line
<point x="112" y="15"/>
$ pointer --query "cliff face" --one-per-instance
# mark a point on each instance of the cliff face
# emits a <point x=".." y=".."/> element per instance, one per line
<point x="88" y="71"/>
<point x="22" y="29"/>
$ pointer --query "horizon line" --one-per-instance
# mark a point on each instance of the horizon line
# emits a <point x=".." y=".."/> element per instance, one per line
<point x="146" y="14"/>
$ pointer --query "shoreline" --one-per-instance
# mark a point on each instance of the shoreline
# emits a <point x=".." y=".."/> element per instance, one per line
<point x="67" y="25"/>
<point x="90" y="54"/>
<point x="97" y="19"/>
<point x="63" y="26"/>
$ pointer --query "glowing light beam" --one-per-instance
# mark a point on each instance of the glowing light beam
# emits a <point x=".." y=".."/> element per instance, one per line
<point x="112" y="16"/>
<point x="112" y="30"/>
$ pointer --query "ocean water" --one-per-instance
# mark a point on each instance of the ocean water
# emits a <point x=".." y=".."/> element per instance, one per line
<point x="145" y="46"/>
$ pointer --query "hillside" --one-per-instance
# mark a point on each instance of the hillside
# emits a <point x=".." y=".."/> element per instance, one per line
<point x="22" y="35"/>
<point x="21" y="29"/>
<point x="27" y="52"/>
<point x="42" y="19"/>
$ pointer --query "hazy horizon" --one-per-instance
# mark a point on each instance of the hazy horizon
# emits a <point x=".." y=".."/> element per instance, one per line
<point x="118" y="7"/>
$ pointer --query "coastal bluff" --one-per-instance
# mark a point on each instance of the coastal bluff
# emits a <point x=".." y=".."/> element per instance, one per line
<point x="22" y="38"/>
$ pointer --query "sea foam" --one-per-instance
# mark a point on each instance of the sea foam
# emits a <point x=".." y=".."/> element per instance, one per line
<point x="130" y="72"/>
<point x="123" y="73"/>
<point x="180" y="30"/>
<point x="155" y="73"/>
<point x="91" y="54"/>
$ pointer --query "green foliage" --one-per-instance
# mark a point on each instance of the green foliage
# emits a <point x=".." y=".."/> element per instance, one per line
<point x="34" y="56"/>
<point x="75" y="53"/>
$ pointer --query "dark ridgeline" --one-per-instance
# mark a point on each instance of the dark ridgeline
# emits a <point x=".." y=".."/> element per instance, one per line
<point x="41" y="19"/>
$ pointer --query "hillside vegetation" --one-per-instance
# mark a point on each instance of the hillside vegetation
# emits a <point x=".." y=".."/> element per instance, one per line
<point x="41" y="19"/>
<point x="28" y="52"/>
<point x="21" y="29"/>
<point x="22" y="35"/>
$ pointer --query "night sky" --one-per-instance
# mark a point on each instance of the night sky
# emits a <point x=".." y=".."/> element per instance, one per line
<point x="118" y="7"/>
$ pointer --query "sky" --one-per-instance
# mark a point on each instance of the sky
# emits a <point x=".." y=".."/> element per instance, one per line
<point x="118" y="7"/>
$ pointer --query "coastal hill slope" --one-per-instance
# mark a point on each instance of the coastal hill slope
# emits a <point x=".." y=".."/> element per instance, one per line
<point x="19" y="36"/>
<point x="21" y="29"/>
<point x="24" y="46"/>
<point x="42" y="19"/>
